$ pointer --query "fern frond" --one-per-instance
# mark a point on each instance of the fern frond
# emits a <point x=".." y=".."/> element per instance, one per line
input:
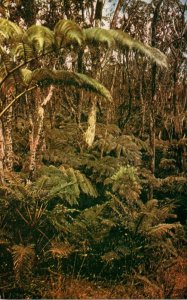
<point x="23" y="259"/>
<point x="9" y="30"/>
<point x="125" y="181"/>
<point x="82" y="181"/>
<point x="95" y="36"/>
<point x="39" y="37"/>
<point x="45" y="77"/>
<point x="162" y="229"/>
<point x="121" y="40"/>
<point x="122" y="146"/>
<point x="24" y="51"/>
<point x="66" y="183"/>
<point x="66" y="32"/>
<point x="60" y="250"/>
<point x="124" y="40"/>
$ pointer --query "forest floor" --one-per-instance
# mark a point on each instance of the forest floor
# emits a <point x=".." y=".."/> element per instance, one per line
<point x="171" y="284"/>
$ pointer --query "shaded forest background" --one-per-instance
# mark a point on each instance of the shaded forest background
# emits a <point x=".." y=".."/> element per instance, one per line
<point x="93" y="154"/>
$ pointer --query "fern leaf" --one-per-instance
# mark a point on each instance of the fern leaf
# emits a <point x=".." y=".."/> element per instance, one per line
<point x="95" y="36"/>
<point x="9" y="30"/>
<point x="67" y="31"/>
<point x="23" y="259"/>
<point x="39" y="37"/>
<point x="60" y="250"/>
<point x="23" y="50"/>
<point x="45" y="77"/>
<point x="162" y="229"/>
<point x="121" y="40"/>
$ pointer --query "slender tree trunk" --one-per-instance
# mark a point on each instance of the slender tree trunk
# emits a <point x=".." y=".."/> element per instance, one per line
<point x="98" y="12"/>
<point x="143" y="109"/>
<point x="67" y="8"/>
<point x="89" y="135"/>
<point x="152" y="104"/>
<point x="7" y="127"/>
<point x="116" y="13"/>
<point x="90" y="132"/>
<point x="2" y="154"/>
<point x="36" y="130"/>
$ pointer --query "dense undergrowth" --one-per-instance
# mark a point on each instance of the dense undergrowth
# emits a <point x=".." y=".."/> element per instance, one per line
<point x="86" y="227"/>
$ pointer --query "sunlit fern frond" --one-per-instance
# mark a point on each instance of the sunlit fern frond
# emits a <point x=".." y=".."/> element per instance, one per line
<point x="124" y="40"/>
<point x="118" y="39"/>
<point x="67" y="32"/>
<point x="39" y="37"/>
<point x="60" y="250"/>
<point x="66" y="183"/>
<point x="163" y="229"/>
<point x="95" y="36"/>
<point x="45" y="77"/>
<point x="23" y="259"/>
<point x="125" y="182"/>
<point x="23" y="50"/>
<point x="82" y="181"/>
<point x="9" y="30"/>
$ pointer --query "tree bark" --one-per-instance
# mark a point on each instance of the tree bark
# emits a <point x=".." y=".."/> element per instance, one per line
<point x="90" y="132"/>
<point x="98" y="12"/>
<point x="36" y="129"/>
<point x="2" y="154"/>
<point x="116" y="13"/>
<point x="152" y="103"/>
<point x="7" y="126"/>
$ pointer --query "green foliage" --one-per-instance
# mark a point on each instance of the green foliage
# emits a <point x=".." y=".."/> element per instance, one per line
<point x="45" y="77"/>
<point x="93" y="211"/>
<point x="67" y="184"/>
<point x="125" y="183"/>
<point x="39" y="37"/>
<point x="123" y="145"/>
<point x="9" y="30"/>
<point x="67" y="31"/>
<point x="127" y="235"/>
<point x="121" y="40"/>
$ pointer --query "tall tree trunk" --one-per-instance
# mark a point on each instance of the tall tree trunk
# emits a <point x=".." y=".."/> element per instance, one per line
<point x="98" y="12"/>
<point x="2" y="154"/>
<point x="116" y="13"/>
<point x="7" y="126"/>
<point x="90" y="132"/>
<point x="89" y="135"/>
<point x="67" y="8"/>
<point x="36" y="129"/>
<point x="152" y="103"/>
